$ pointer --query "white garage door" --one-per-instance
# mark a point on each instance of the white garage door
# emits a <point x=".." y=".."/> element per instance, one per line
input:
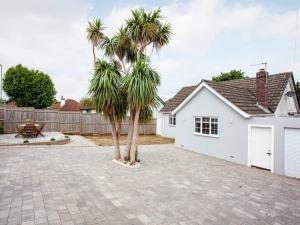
<point x="260" y="147"/>
<point x="292" y="152"/>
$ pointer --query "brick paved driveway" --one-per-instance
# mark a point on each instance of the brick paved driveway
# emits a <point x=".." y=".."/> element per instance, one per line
<point x="79" y="184"/>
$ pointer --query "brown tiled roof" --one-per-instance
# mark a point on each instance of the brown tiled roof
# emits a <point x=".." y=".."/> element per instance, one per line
<point x="276" y="86"/>
<point x="172" y="103"/>
<point x="55" y="106"/>
<point x="71" y="105"/>
<point x="241" y="97"/>
<point x="242" y="93"/>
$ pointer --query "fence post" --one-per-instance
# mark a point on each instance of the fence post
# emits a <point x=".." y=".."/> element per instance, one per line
<point x="80" y="120"/>
<point x="33" y="115"/>
<point x="4" y="120"/>
<point x="58" y="121"/>
<point x="99" y="125"/>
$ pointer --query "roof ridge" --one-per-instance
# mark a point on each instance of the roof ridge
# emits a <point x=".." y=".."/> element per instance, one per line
<point x="252" y="78"/>
<point x="239" y="92"/>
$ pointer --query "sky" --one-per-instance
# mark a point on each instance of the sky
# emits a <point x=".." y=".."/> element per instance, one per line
<point x="209" y="37"/>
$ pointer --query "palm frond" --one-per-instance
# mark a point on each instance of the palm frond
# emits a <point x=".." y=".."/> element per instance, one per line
<point x="163" y="36"/>
<point x="94" y="32"/>
<point x="141" y="84"/>
<point x="105" y="87"/>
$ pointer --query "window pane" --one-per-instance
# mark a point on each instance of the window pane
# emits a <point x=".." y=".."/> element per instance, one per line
<point x="198" y="125"/>
<point x="205" y="125"/>
<point x="205" y="119"/>
<point x="214" y="129"/>
<point x="214" y="120"/>
<point x="174" y="120"/>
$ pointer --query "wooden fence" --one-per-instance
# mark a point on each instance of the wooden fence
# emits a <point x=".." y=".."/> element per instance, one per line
<point x="65" y="122"/>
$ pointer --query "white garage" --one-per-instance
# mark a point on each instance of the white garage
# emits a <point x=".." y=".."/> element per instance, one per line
<point x="261" y="146"/>
<point x="292" y="152"/>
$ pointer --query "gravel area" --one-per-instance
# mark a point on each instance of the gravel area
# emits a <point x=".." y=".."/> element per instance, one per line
<point x="11" y="139"/>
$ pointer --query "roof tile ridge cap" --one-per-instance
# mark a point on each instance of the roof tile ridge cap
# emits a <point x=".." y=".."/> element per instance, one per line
<point x="282" y="73"/>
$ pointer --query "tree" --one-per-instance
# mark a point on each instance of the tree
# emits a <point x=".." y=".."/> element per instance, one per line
<point x="231" y="75"/>
<point x="127" y="51"/>
<point x="105" y="89"/>
<point x="141" y="86"/>
<point x="88" y="102"/>
<point x="95" y="34"/>
<point x="28" y="88"/>
<point x="145" y="29"/>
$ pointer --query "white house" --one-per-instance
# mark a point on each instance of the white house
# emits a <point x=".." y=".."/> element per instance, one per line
<point x="157" y="114"/>
<point x="254" y="122"/>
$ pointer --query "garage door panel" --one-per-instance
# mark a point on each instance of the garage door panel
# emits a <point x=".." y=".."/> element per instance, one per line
<point x="292" y="152"/>
<point x="260" y="146"/>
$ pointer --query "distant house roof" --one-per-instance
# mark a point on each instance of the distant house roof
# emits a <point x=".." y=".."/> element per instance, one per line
<point x="70" y="105"/>
<point x="242" y="93"/>
<point x="55" y="105"/>
<point x="11" y="104"/>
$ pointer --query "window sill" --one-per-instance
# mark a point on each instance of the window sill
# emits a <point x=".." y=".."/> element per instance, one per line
<point x="206" y="135"/>
<point x="171" y="125"/>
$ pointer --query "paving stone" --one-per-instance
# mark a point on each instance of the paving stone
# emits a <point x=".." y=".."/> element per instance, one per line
<point x="79" y="184"/>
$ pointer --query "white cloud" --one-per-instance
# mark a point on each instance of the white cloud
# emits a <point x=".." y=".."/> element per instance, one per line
<point x="209" y="36"/>
<point x="49" y="36"/>
<point x="201" y="25"/>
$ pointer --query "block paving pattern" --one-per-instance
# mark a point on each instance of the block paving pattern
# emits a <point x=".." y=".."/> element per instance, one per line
<point x="78" y="184"/>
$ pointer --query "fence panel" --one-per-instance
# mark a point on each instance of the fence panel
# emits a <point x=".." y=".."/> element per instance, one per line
<point x="90" y="123"/>
<point x="2" y="111"/>
<point x="49" y="117"/>
<point x="16" y="116"/>
<point x="66" y="122"/>
<point x="69" y="122"/>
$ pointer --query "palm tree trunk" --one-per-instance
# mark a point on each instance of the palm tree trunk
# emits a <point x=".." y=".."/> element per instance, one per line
<point x="94" y="55"/>
<point x="129" y="135"/>
<point x="118" y="128"/>
<point x="135" y="136"/>
<point x="115" y="138"/>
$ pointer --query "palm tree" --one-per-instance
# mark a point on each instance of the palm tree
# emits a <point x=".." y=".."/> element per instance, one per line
<point x="126" y="52"/>
<point x="95" y="34"/>
<point x="105" y="89"/>
<point x="145" y="29"/>
<point x="141" y="85"/>
<point x="121" y="48"/>
<point x="148" y="28"/>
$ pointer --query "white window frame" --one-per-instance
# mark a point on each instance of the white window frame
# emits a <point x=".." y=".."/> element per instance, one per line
<point x="210" y="123"/>
<point x="172" y="117"/>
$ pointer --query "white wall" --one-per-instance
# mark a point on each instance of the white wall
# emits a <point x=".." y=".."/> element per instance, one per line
<point x="233" y="128"/>
<point x="155" y="111"/>
<point x="284" y="105"/>
<point x="232" y="143"/>
<point x="166" y="129"/>
<point x="279" y="123"/>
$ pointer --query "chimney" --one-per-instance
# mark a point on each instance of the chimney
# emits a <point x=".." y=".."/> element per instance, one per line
<point x="262" y="87"/>
<point x="62" y="101"/>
